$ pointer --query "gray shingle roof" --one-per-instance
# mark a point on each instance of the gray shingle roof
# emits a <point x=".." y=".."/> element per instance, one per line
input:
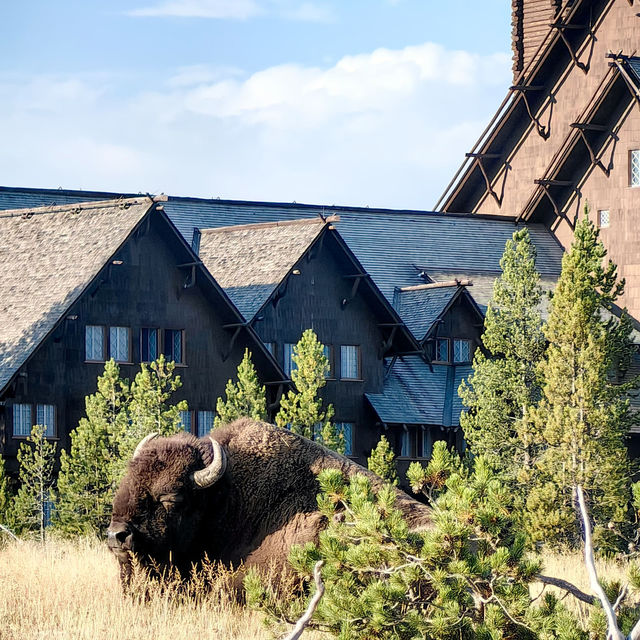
<point x="48" y="256"/>
<point x="249" y="261"/>
<point x="415" y="393"/>
<point x="392" y="245"/>
<point x="421" y="306"/>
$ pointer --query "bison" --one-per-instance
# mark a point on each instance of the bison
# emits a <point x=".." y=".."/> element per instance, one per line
<point x="244" y="494"/>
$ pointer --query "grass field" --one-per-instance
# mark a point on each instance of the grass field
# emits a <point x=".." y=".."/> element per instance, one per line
<point x="70" y="591"/>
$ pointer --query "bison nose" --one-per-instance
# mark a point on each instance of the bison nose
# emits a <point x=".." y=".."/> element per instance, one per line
<point x="119" y="536"/>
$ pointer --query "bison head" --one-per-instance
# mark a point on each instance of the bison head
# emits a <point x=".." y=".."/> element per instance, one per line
<point x="159" y="506"/>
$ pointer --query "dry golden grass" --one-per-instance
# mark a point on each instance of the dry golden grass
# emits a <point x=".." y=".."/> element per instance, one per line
<point x="571" y="567"/>
<point x="70" y="591"/>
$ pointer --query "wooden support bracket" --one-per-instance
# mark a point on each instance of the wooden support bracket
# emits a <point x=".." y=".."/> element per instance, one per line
<point x="631" y="85"/>
<point x="357" y="279"/>
<point x="543" y="131"/>
<point x="479" y="157"/>
<point x="545" y="184"/>
<point x="581" y="128"/>
<point x="232" y="342"/>
<point x="384" y="347"/>
<point x="561" y="27"/>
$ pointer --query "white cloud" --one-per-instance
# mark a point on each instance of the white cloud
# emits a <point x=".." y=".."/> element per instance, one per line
<point x="221" y="9"/>
<point x="309" y="12"/>
<point x="385" y="128"/>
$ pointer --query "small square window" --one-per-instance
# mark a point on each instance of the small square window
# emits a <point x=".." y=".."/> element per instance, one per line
<point x="22" y="420"/>
<point x="149" y="340"/>
<point x="442" y="350"/>
<point x="185" y="420"/>
<point x="462" y="350"/>
<point x="349" y="362"/>
<point x="119" y="344"/>
<point x="634" y="167"/>
<point x="46" y="416"/>
<point x="94" y="343"/>
<point x="173" y="345"/>
<point x="205" y="422"/>
<point x="603" y="218"/>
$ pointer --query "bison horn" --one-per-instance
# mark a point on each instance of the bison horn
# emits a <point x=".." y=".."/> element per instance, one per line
<point x="214" y="471"/>
<point x="142" y="444"/>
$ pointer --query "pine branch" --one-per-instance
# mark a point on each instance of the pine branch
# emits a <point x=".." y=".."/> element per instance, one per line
<point x="305" y="619"/>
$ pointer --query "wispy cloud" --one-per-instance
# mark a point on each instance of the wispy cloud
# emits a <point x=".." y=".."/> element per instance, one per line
<point x="237" y="10"/>
<point x="220" y="9"/>
<point x="384" y="128"/>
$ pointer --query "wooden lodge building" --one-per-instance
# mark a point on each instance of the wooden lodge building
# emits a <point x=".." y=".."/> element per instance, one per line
<point x="568" y="132"/>
<point x="82" y="283"/>
<point x="397" y="297"/>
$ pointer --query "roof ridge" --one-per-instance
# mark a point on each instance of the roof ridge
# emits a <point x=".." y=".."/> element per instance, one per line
<point x="81" y="206"/>
<point x="267" y="225"/>
<point x="438" y="285"/>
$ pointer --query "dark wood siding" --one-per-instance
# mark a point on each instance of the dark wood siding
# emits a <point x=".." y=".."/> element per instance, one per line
<point x="146" y="290"/>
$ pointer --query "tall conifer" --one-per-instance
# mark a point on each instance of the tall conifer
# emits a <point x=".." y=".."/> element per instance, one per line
<point x="245" y="398"/>
<point x="583" y="417"/>
<point x="505" y="382"/>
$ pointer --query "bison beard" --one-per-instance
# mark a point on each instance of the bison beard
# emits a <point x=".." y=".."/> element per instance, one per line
<point x="245" y="494"/>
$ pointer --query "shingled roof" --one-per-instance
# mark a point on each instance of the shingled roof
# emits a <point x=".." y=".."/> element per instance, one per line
<point x="250" y="261"/>
<point x="48" y="257"/>
<point x="393" y="246"/>
<point x="419" y="394"/>
<point x="422" y="305"/>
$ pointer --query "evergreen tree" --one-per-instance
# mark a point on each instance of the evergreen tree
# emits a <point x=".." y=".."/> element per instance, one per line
<point x="28" y="508"/>
<point x="383" y="461"/>
<point x="148" y="408"/>
<point x="505" y="382"/>
<point x="88" y="475"/>
<point x="583" y="417"/>
<point x="5" y="498"/>
<point x="467" y="577"/>
<point x="246" y="398"/>
<point x="301" y="410"/>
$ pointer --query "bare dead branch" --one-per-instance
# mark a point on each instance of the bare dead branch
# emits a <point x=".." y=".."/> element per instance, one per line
<point x="304" y="620"/>
<point x="8" y="532"/>
<point x="566" y="586"/>
<point x="612" y="622"/>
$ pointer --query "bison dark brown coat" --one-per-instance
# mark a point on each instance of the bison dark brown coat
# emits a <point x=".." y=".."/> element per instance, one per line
<point x="261" y="498"/>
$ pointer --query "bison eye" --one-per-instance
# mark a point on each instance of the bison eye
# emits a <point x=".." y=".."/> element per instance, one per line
<point x="170" y="500"/>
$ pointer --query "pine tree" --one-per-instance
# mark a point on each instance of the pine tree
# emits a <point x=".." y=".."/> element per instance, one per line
<point x="148" y="408"/>
<point x="28" y="507"/>
<point x="383" y="461"/>
<point x="301" y="410"/>
<point x="583" y="417"/>
<point x="87" y="477"/>
<point x="5" y="498"/>
<point x="505" y="382"/>
<point x="245" y="398"/>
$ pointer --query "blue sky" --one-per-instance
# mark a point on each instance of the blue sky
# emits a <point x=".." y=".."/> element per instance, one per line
<point x="356" y="103"/>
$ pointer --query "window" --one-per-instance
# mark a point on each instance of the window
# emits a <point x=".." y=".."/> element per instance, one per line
<point x="346" y="429"/>
<point x="634" y="168"/>
<point x="185" y="420"/>
<point x="603" y="218"/>
<point x="349" y="362"/>
<point x="173" y="345"/>
<point x="405" y="444"/>
<point x="119" y="344"/>
<point x="442" y="350"/>
<point x="22" y="420"/>
<point x="289" y="364"/>
<point x="46" y="415"/>
<point x="462" y="350"/>
<point x="48" y="507"/>
<point x="327" y="350"/>
<point x="427" y="443"/>
<point x="205" y="422"/>
<point x="271" y="347"/>
<point x="94" y="343"/>
<point x="149" y="344"/>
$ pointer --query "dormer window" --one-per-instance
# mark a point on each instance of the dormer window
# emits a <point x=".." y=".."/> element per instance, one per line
<point x="442" y="350"/>
<point x="461" y="350"/>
